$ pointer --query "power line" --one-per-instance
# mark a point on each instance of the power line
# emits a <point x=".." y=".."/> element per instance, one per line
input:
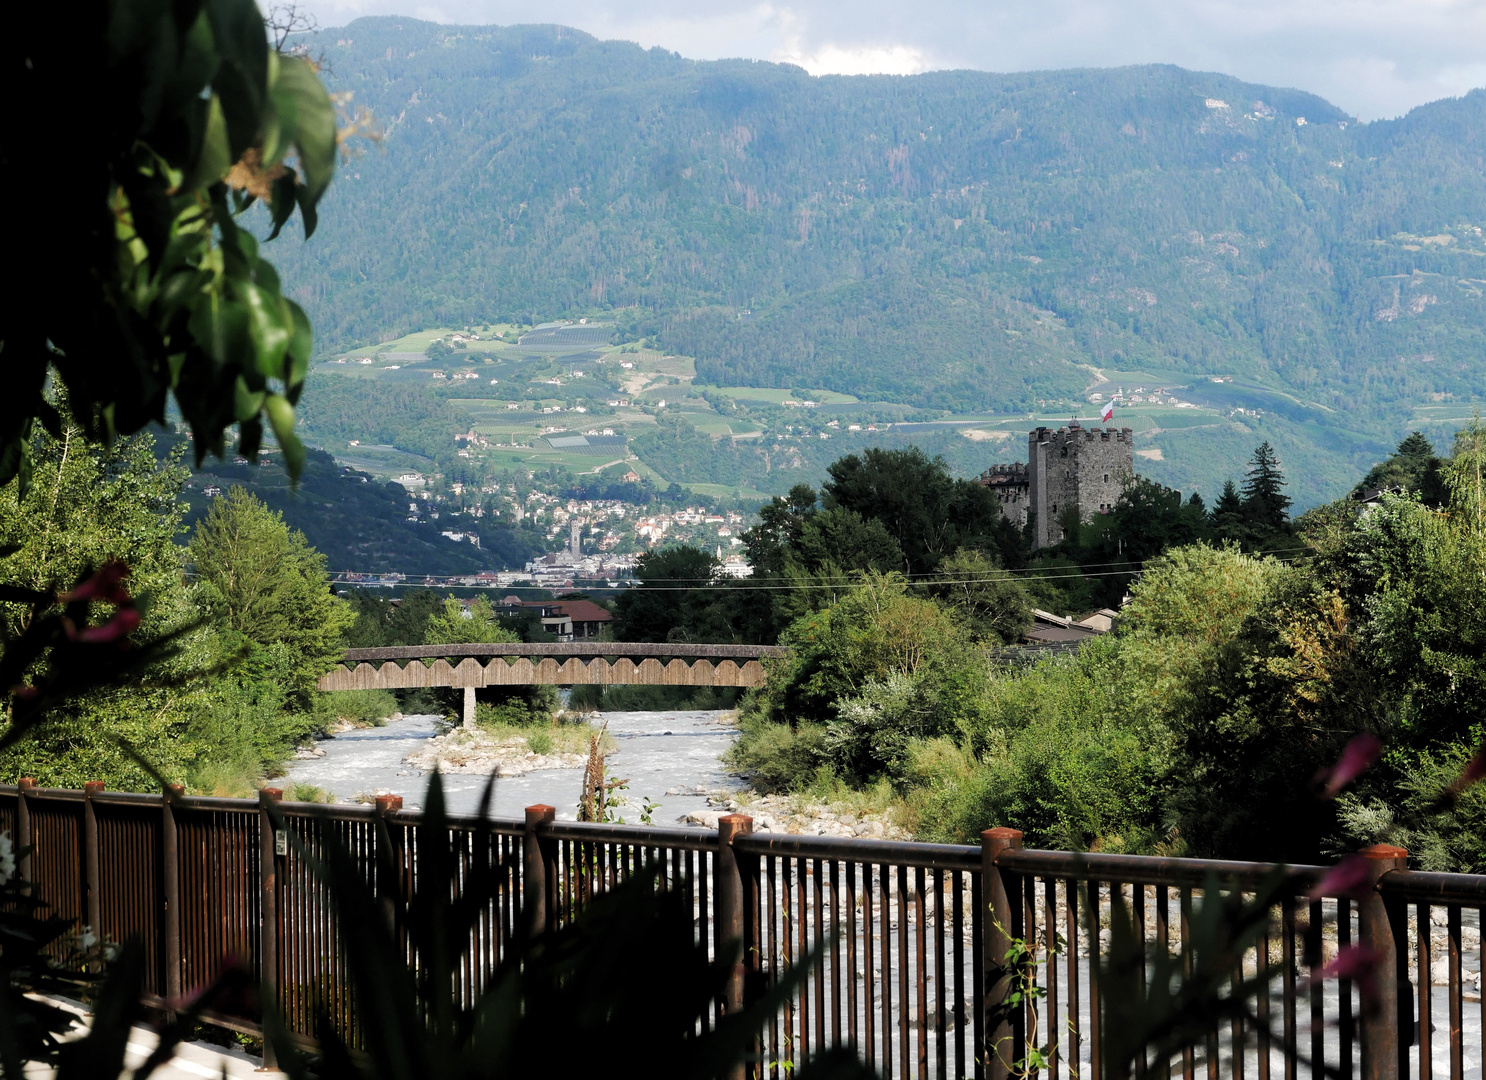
<point x="785" y="585"/>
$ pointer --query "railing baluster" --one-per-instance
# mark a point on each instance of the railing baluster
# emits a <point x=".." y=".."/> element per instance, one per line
<point x="869" y="968"/>
<point x="835" y="926"/>
<point x="1287" y="985"/>
<point x="1137" y="920"/>
<point x="1457" y="1003"/>
<point x="818" y="918"/>
<point x="1423" y="1030"/>
<point x="1189" y="1063"/>
<point x="1163" y="943"/>
<point x="1074" y="1026"/>
<point x="771" y="897"/>
<point x="1318" y="1004"/>
<point x="941" y="978"/>
<point x="1095" y="1047"/>
<point x="1261" y="1006"/>
<point x="960" y="1017"/>
<point x="920" y="967"/>
<point x="790" y="918"/>
<point x="885" y="873"/>
<point x="1049" y="1025"/>
<point x="851" y="954"/>
<point x="904" y="1000"/>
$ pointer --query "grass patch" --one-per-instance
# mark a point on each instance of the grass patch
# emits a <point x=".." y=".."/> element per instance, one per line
<point x="566" y="737"/>
<point x="365" y="708"/>
<point x="778" y="757"/>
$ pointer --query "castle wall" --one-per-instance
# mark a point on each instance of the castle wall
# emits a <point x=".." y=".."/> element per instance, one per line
<point x="1009" y="483"/>
<point x="1082" y="467"/>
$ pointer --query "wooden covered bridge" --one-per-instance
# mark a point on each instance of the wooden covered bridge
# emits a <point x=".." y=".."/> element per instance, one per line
<point x="562" y="664"/>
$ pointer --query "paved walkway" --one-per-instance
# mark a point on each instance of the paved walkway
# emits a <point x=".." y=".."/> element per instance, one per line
<point x="192" y="1060"/>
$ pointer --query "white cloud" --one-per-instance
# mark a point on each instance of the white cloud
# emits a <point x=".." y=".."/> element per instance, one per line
<point x="859" y="60"/>
<point x="1374" y="58"/>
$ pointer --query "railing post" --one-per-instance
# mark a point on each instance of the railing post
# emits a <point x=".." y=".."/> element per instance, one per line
<point x="535" y="887"/>
<point x="999" y="888"/>
<point x="170" y="888"/>
<point x="1383" y="926"/>
<point x="23" y="837"/>
<point x="730" y="910"/>
<point x="393" y="892"/>
<point x="268" y="911"/>
<point x="92" y="883"/>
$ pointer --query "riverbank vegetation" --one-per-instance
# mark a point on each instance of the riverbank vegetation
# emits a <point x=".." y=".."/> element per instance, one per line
<point x="1242" y="663"/>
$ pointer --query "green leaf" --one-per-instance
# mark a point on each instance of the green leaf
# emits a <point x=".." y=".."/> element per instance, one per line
<point x="276" y="131"/>
<point x="270" y="325"/>
<point x="215" y="157"/>
<point x="283" y="201"/>
<point x="301" y="100"/>
<point x="281" y="417"/>
<point x="301" y="348"/>
<point x="307" y="210"/>
<point x="250" y="437"/>
<point x="220" y="327"/>
<point x="247" y="403"/>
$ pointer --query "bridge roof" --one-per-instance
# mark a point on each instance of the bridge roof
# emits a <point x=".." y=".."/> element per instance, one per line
<point x="573" y="648"/>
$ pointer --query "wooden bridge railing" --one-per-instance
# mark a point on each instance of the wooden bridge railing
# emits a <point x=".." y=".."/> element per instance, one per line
<point x="910" y="936"/>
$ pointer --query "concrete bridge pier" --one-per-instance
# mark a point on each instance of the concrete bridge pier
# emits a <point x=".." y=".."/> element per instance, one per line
<point x="469" y="707"/>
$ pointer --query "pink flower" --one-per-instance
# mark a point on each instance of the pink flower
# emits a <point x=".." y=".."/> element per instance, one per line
<point x="1475" y="769"/>
<point x="121" y="625"/>
<point x="1359" y="964"/>
<point x="230" y="991"/>
<point x="105" y="585"/>
<point x="1359" y="753"/>
<point x="1351" y="878"/>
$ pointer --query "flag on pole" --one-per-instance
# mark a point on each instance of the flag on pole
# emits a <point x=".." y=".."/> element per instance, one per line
<point x="1108" y="414"/>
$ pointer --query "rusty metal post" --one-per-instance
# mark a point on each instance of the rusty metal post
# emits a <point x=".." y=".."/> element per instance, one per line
<point x="170" y="890"/>
<point x="729" y="923"/>
<point x="92" y="876"/>
<point x="999" y="889"/>
<point x="23" y="836"/>
<point x="729" y="892"/>
<point x="536" y="888"/>
<point x="268" y="910"/>
<point x="1383" y="928"/>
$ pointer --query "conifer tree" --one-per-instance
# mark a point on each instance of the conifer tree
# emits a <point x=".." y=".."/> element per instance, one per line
<point x="1227" y="515"/>
<point x="1266" y="507"/>
<point x="1413" y="467"/>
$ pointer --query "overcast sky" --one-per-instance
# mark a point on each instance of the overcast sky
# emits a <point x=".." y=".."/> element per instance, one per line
<point x="1373" y="58"/>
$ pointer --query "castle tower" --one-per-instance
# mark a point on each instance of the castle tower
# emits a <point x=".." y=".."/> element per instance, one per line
<point x="1075" y="466"/>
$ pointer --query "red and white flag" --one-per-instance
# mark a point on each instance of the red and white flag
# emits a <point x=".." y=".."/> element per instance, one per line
<point x="1108" y="414"/>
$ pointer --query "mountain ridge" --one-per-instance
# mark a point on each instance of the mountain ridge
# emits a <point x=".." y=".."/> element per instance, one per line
<point x="955" y="240"/>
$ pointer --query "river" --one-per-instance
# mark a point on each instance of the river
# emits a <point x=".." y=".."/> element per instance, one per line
<point x="656" y="751"/>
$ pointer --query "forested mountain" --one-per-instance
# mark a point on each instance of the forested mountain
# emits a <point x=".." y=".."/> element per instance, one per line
<point x="956" y="238"/>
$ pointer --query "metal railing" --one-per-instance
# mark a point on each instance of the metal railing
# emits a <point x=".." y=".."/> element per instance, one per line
<point x="905" y="941"/>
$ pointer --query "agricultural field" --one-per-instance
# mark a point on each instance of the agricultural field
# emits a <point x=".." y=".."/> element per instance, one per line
<point x="527" y="392"/>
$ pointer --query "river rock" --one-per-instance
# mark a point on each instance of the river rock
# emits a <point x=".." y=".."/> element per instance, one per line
<point x="466" y="751"/>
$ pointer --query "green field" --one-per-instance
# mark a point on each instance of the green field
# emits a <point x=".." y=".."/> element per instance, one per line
<point x="779" y="397"/>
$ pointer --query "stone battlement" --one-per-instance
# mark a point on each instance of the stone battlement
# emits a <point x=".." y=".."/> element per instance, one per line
<point x="1064" y="435"/>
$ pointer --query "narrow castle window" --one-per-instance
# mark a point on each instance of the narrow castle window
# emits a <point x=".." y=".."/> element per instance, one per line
<point x="1106" y="478"/>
